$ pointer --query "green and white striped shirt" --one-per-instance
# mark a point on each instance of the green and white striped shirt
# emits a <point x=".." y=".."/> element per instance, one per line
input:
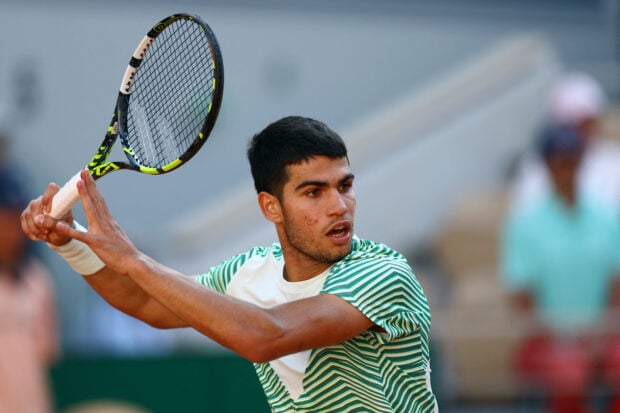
<point x="386" y="371"/>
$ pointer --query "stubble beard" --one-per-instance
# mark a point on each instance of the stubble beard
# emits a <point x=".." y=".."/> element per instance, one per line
<point x="306" y="247"/>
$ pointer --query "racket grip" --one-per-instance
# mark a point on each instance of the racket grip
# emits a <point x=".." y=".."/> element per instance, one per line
<point x="64" y="199"/>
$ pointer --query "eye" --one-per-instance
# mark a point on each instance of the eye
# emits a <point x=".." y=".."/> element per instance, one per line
<point x="345" y="186"/>
<point x="312" y="193"/>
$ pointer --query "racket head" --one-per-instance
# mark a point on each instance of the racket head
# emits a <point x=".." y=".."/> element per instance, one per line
<point x="169" y="98"/>
<point x="167" y="105"/>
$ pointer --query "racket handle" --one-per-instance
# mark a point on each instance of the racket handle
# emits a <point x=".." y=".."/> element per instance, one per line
<point x="64" y="199"/>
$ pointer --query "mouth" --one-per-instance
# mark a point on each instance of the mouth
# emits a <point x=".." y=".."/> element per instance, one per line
<point x="340" y="231"/>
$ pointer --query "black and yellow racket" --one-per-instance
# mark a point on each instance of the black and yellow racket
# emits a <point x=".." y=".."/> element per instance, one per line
<point x="168" y="103"/>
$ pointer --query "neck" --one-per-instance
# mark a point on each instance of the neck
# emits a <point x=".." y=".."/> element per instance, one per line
<point x="568" y="194"/>
<point x="294" y="271"/>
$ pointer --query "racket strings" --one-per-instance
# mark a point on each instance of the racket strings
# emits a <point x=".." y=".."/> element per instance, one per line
<point x="171" y="95"/>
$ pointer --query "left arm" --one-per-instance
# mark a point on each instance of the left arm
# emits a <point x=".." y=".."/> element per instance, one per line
<point x="256" y="333"/>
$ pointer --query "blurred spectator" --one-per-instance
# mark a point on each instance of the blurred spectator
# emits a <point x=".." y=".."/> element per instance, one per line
<point x="4" y="148"/>
<point x="579" y="101"/>
<point x="101" y="329"/>
<point x="561" y="264"/>
<point x="28" y="324"/>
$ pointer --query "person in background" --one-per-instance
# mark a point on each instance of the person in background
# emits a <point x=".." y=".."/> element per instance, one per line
<point x="560" y="262"/>
<point x="28" y="323"/>
<point x="577" y="100"/>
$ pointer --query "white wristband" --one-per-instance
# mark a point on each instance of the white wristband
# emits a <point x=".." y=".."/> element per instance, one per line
<point x="78" y="255"/>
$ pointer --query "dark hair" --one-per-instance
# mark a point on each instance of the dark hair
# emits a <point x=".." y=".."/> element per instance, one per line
<point x="560" y="140"/>
<point x="288" y="141"/>
<point x="12" y="192"/>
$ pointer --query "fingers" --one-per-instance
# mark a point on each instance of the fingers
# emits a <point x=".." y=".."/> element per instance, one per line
<point x="31" y="225"/>
<point x="37" y="225"/>
<point x="48" y="195"/>
<point x="33" y="230"/>
<point x="68" y="231"/>
<point x="87" y="190"/>
<point x="93" y="203"/>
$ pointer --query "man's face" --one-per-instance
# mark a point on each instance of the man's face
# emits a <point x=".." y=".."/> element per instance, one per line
<point x="563" y="170"/>
<point x="318" y="208"/>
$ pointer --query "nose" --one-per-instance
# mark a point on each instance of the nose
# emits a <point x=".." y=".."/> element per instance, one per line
<point x="338" y="204"/>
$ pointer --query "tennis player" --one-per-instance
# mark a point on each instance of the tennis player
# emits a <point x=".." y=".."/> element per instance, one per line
<point x="332" y="322"/>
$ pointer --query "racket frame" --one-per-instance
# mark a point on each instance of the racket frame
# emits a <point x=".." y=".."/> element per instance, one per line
<point x="99" y="164"/>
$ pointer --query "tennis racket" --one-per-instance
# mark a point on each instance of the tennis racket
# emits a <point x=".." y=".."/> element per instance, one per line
<point x="167" y="105"/>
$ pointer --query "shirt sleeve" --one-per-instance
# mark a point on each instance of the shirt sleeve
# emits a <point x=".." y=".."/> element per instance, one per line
<point x="219" y="276"/>
<point x="517" y="260"/>
<point x="384" y="289"/>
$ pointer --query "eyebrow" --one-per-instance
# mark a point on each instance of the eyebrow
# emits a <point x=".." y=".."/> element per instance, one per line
<point x="322" y="184"/>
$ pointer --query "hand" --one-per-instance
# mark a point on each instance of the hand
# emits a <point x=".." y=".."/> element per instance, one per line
<point x="38" y="226"/>
<point x="104" y="236"/>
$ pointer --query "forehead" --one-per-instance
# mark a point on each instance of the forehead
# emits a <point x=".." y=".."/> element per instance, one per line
<point x="318" y="168"/>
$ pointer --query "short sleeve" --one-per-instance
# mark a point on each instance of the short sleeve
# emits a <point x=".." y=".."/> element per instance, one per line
<point x="517" y="256"/>
<point x="384" y="288"/>
<point x="219" y="276"/>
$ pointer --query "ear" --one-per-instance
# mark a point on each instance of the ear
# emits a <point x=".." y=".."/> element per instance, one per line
<point x="270" y="207"/>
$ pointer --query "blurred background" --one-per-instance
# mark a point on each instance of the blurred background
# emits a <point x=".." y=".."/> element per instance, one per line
<point x="437" y="100"/>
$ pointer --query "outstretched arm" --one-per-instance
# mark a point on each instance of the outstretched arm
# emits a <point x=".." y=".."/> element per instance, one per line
<point x="148" y="290"/>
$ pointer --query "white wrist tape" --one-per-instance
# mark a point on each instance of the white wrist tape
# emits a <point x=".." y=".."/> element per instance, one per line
<point x="78" y="255"/>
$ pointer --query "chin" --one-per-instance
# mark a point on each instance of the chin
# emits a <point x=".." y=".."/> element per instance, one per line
<point x="343" y="251"/>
